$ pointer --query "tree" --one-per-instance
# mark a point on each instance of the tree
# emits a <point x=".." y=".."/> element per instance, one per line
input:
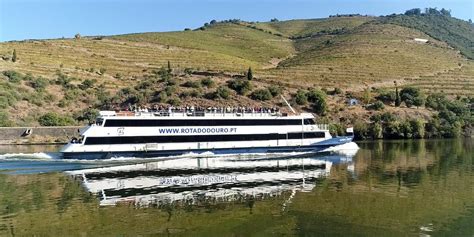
<point x="301" y="98"/>
<point x="169" y="67"/>
<point x="249" y="74"/>
<point x="414" y="11"/>
<point x="242" y="87"/>
<point x="274" y="20"/>
<point x="14" y="57"/>
<point x="77" y="36"/>
<point x="398" y="102"/>
<point x="53" y="119"/>
<point x="411" y="96"/>
<point x="445" y="12"/>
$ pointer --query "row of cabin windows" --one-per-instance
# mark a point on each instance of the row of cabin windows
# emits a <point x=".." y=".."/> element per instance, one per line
<point x="200" y="138"/>
<point x="196" y="122"/>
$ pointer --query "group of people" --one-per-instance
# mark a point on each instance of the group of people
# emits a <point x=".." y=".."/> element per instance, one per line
<point x="198" y="109"/>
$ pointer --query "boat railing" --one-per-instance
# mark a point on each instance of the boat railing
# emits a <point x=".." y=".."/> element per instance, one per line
<point x="213" y="112"/>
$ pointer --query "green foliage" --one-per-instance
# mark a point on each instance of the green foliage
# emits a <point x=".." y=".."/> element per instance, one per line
<point x="398" y="101"/>
<point x="13" y="76"/>
<point x="192" y="84"/>
<point x="89" y="115"/>
<point x="275" y="90"/>
<point x="301" y="97"/>
<point x="386" y="96"/>
<point x="208" y="82"/>
<point x="318" y="98"/>
<point x="361" y="130"/>
<point x="378" y="105"/>
<point x="170" y="90"/>
<point x="412" y="96"/>
<point x="249" y="74"/>
<point x="39" y="83"/>
<point x="222" y="92"/>
<point x="437" y="101"/>
<point x="53" y="119"/>
<point x="262" y="95"/>
<point x="336" y="129"/>
<point x="242" y="87"/>
<point x="86" y="84"/>
<point x="4" y="120"/>
<point x="14" y="56"/>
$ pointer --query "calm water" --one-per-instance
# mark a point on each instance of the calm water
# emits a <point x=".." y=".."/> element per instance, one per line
<point x="421" y="188"/>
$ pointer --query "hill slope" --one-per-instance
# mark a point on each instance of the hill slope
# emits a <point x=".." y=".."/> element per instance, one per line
<point x="352" y="53"/>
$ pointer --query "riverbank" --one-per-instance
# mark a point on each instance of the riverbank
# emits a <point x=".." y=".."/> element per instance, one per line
<point x="37" y="135"/>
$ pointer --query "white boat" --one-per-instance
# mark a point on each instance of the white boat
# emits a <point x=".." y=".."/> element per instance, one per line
<point x="214" y="131"/>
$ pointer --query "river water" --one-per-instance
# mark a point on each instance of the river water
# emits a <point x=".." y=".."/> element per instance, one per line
<point x="384" y="188"/>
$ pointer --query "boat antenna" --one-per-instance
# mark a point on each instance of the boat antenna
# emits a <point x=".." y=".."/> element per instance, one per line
<point x="288" y="104"/>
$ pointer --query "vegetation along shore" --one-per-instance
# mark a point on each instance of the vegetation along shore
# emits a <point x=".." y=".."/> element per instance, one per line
<point x="398" y="76"/>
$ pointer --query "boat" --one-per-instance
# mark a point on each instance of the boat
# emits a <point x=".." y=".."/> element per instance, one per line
<point x="197" y="181"/>
<point x="178" y="131"/>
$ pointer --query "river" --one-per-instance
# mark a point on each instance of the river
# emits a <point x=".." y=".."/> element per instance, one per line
<point x="384" y="188"/>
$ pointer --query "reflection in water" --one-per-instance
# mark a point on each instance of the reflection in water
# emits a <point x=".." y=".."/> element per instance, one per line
<point x="389" y="188"/>
<point x="196" y="181"/>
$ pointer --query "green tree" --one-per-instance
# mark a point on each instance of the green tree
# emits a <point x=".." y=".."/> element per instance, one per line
<point x="169" y="67"/>
<point x="242" y="87"/>
<point x="398" y="101"/>
<point x="4" y="120"/>
<point x="411" y="96"/>
<point x="14" y="56"/>
<point x="222" y="92"/>
<point x="250" y="74"/>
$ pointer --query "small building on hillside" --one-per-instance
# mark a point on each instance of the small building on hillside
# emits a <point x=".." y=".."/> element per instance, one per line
<point x="420" y="40"/>
<point x="352" y="102"/>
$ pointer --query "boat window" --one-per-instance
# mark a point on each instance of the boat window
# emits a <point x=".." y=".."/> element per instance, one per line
<point x="308" y="121"/>
<point x="99" y="121"/>
<point x="197" y="122"/>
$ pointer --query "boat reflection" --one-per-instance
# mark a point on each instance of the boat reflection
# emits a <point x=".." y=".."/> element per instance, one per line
<point x="200" y="180"/>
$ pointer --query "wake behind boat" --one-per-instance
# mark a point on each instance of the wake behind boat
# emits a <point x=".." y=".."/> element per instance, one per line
<point x="174" y="132"/>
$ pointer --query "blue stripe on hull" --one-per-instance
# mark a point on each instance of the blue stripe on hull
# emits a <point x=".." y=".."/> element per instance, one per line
<point x="221" y="151"/>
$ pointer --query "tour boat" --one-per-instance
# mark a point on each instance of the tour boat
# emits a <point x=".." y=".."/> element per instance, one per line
<point x="174" y="132"/>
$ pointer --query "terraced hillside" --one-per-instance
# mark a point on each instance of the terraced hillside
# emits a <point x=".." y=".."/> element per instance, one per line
<point x="350" y="53"/>
<point x="371" y="54"/>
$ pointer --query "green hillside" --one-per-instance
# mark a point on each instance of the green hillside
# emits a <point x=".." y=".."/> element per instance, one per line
<point x="350" y="54"/>
<point x="439" y="25"/>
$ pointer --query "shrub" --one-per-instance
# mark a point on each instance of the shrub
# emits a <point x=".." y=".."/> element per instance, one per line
<point x="437" y="101"/>
<point x="192" y="84"/>
<point x="170" y="90"/>
<point x="13" y="76"/>
<point x="242" y="87"/>
<point x="275" y="90"/>
<point x="39" y="84"/>
<point x="89" y="115"/>
<point x="261" y="94"/>
<point x="249" y="74"/>
<point x="378" y="105"/>
<point x="386" y="96"/>
<point x="301" y="97"/>
<point x="207" y="82"/>
<point x="4" y="120"/>
<point x="318" y="98"/>
<point x="411" y="96"/>
<point x="222" y="92"/>
<point x="53" y="119"/>
<point x="337" y="91"/>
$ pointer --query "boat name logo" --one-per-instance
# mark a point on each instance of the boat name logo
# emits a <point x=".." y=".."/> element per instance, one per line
<point x="196" y="130"/>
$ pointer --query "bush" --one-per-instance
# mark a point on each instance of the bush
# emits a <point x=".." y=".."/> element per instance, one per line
<point x="318" y="98"/>
<point x="208" y="82"/>
<point x="261" y="94"/>
<point x="4" y="120"/>
<point x="170" y="90"/>
<point x="242" y="87"/>
<point x="89" y="115"/>
<point x="13" y="76"/>
<point x="39" y="84"/>
<point x="411" y="96"/>
<point x="275" y="90"/>
<point x="378" y="105"/>
<point x="192" y="84"/>
<point x="386" y="96"/>
<point x="301" y="98"/>
<point x="222" y="92"/>
<point x="53" y="119"/>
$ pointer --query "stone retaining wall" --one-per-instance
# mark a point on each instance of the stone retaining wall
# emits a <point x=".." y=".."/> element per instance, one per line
<point x="17" y="135"/>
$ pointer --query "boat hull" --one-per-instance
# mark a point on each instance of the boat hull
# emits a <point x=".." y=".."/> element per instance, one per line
<point x="220" y="151"/>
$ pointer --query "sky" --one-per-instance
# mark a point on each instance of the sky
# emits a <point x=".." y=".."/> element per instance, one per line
<point x="45" y="19"/>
